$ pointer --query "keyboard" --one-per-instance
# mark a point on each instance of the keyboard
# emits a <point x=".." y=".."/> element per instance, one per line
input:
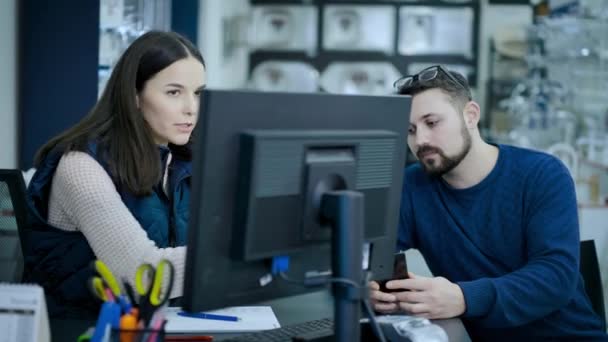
<point x="307" y="331"/>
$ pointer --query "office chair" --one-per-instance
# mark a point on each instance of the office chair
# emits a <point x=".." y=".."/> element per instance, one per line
<point x="590" y="270"/>
<point x="12" y="218"/>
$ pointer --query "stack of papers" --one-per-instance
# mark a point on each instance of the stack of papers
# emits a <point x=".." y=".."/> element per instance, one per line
<point x="23" y="313"/>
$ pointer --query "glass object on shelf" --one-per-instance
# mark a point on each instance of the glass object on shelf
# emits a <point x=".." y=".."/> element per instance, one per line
<point x="593" y="141"/>
<point x="285" y="76"/>
<point x="282" y="27"/>
<point x="560" y="105"/>
<point x="111" y="13"/>
<point x="510" y="46"/>
<point x="573" y="37"/>
<point x="594" y="9"/>
<point x="591" y="183"/>
<point x="344" y="29"/>
<point x="511" y="41"/>
<point x="371" y="78"/>
<point x="567" y="154"/>
<point x="421" y="27"/>
<point x="120" y="23"/>
<point x="576" y="50"/>
<point x="103" y="75"/>
<point x="110" y="47"/>
<point x="275" y="27"/>
<point x="370" y="28"/>
<point x="432" y="30"/>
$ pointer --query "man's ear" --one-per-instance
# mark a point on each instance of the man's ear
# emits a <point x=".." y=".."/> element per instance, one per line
<point x="472" y="114"/>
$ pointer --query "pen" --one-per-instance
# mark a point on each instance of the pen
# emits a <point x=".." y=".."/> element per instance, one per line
<point x="188" y="338"/>
<point x="208" y="316"/>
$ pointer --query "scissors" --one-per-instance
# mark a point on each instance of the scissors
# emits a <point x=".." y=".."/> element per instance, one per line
<point x="100" y="289"/>
<point x="103" y="282"/>
<point x="154" y="287"/>
<point x="105" y="286"/>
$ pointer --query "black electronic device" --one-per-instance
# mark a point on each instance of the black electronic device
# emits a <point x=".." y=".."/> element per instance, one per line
<point x="303" y="178"/>
<point x="399" y="272"/>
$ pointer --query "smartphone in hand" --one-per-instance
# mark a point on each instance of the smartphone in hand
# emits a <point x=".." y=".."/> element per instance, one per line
<point x="399" y="272"/>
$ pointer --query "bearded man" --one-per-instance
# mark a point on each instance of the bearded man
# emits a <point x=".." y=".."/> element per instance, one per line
<point x="497" y="225"/>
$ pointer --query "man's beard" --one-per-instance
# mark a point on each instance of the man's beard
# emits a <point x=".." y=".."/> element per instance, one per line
<point x="445" y="164"/>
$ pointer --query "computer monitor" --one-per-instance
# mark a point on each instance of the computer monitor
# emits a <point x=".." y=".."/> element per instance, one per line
<point x="264" y="165"/>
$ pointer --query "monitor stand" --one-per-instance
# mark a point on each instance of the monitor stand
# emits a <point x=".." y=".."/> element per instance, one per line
<point x="345" y="211"/>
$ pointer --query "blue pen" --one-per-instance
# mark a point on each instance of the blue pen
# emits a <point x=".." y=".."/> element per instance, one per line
<point x="208" y="316"/>
<point x="109" y="315"/>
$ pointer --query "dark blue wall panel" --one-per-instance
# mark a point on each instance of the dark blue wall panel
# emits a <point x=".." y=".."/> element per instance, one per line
<point x="58" y="59"/>
<point x="184" y="18"/>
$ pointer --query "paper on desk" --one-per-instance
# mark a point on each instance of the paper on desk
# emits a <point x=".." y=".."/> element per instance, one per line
<point x="251" y="318"/>
<point x="23" y="313"/>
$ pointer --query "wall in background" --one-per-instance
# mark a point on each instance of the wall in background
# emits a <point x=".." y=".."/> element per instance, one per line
<point x="8" y="84"/>
<point x="58" y="54"/>
<point x="182" y="19"/>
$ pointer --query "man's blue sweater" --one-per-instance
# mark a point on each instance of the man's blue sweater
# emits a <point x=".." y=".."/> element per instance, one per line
<point x="510" y="242"/>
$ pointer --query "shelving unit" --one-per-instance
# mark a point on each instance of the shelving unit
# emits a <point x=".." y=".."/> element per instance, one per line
<point x="499" y="85"/>
<point x="321" y="58"/>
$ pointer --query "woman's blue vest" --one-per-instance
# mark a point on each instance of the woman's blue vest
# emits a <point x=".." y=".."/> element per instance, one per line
<point x="60" y="261"/>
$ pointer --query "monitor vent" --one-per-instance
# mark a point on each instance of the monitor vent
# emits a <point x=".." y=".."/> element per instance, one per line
<point x="280" y="164"/>
<point x="375" y="161"/>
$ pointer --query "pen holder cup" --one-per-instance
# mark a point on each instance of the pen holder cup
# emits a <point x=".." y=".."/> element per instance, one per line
<point x="138" y="335"/>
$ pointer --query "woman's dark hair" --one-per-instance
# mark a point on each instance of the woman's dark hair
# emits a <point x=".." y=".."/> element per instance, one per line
<point x="124" y="139"/>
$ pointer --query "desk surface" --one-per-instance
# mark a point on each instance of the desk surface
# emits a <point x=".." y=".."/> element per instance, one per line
<point x="292" y="310"/>
<point x="317" y="305"/>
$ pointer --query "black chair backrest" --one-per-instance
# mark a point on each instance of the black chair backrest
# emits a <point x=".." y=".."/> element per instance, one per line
<point x="13" y="217"/>
<point x="590" y="270"/>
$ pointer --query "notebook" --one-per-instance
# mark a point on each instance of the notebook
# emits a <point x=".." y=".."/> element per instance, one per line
<point x="251" y="318"/>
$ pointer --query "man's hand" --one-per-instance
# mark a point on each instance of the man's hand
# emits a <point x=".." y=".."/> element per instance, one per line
<point x="432" y="298"/>
<point x="382" y="302"/>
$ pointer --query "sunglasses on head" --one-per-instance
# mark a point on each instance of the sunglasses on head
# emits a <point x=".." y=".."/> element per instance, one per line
<point x="423" y="76"/>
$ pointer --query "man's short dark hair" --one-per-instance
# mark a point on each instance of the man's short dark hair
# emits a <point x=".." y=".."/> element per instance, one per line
<point x="460" y="94"/>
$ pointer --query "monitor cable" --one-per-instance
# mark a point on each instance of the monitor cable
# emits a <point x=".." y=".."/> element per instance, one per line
<point x="324" y="278"/>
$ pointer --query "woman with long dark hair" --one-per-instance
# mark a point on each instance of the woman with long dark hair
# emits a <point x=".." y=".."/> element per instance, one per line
<point x="116" y="186"/>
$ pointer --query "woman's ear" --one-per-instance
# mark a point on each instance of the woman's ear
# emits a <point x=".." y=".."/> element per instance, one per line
<point x="472" y="114"/>
<point x="137" y="101"/>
